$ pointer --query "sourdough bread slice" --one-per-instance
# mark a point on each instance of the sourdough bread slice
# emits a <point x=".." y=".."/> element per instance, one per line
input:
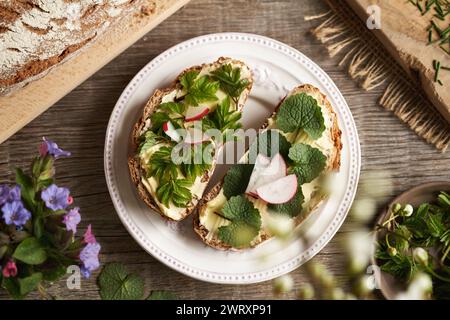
<point x="37" y="36"/>
<point x="207" y="223"/>
<point x="137" y="165"/>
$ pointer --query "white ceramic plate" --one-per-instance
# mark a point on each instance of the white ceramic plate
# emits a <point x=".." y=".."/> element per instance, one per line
<point x="277" y="68"/>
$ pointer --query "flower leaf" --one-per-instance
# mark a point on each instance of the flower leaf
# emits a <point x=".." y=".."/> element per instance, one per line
<point x="30" y="251"/>
<point x="26" y="188"/>
<point x="12" y="287"/>
<point x="28" y="284"/>
<point x="117" y="284"/>
<point x="162" y="295"/>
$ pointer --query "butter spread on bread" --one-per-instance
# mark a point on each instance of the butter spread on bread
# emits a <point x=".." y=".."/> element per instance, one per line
<point x="204" y="97"/>
<point x="319" y="136"/>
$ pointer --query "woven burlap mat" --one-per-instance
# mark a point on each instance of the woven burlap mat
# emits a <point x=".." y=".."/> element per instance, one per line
<point x="370" y="64"/>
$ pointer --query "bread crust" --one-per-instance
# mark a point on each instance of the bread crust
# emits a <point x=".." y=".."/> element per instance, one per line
<point x="136" y="171"/>
<point x="41" y="35"/>
<point x="333" y="164"/>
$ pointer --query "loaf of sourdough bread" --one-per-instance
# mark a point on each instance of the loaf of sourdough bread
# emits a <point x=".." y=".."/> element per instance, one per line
<point x="36" y="35"/>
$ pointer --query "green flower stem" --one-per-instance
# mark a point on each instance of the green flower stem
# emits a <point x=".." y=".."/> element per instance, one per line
<point x="387" y="240"/>
<point x="390" y="219"/>
<point x="445" y="254"/>
<point x="430" y="270"/>
<point x="393" y="233"/>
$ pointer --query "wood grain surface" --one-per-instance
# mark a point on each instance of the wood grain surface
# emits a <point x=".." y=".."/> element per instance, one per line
<point x="22" y="106"/>
<point x="404" y="33"/>
<point x="78" y="122"/>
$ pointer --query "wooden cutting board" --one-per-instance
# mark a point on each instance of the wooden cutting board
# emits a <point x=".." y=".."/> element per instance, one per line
<point x="404" y="33"/>
<point x="19" y="108"/>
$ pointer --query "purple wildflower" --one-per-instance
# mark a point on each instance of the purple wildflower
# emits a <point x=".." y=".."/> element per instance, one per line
<point x="48" y="146"/>
<point x="4" y="193"/>
<point x="89" y="236"/>
<point x="89" y="257"/>
<point x="14" y="194"/>
<point x="55" y="198"/>
<point x="15" y="213"/>
<point x="85" y="272"/>
<point x="72" y="219"/>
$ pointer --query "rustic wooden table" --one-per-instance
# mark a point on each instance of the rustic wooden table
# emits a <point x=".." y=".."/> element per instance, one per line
<point x="78" y="122"/>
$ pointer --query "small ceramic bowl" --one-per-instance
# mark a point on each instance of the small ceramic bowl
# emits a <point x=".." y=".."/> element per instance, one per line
<point x="427" y="192"/>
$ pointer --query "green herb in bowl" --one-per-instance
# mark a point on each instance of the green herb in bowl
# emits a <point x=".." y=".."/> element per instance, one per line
<point x="417" y="240"/>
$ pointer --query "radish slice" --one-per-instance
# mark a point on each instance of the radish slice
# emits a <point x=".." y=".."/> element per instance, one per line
<point x="279" y="191"/>
<point x="261" y="163"/>
<point x="277" y="168"/>
<point x="264" y="173"/>
<point x="195" y="136"/>
<point x="196" y="113"/>
<point x="170" y="130"/>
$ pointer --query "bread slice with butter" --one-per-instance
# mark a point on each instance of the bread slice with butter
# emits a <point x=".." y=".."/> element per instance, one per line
<point x="210" y="218"/>
<point x="138" y="162"/>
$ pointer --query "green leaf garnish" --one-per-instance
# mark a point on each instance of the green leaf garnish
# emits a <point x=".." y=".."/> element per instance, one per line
<point x="236" y="179"/>
<point x="188" y="79"/>
<point x="269" y="143"/>
<point x="245" y="222"/>
<point x="301" y="111"/>
<point x="162" y="295"/>
<point x="200" y="161"/>
<point x="224" y="117"/>
<point x="161" y="165"/>
<point x="175" y="108"/>
<point x="230" y="80"/>
<point x="291" y="208"/>
<point x="199" y="90"/>
<point x="176" y="191"/>
<point x="157" y="120"/>
<point x="117" y="284"/>
<point x="309" y="162"/>
<point x="176" y="175"/>
<point x="149" y="139"/>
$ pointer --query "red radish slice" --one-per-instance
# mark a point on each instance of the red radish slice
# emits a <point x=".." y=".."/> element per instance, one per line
<point x="170" y="130"/>
<point x="279" y="191"/>
<point x="261" y="163"/>
<point x="196" y="113"/>
<point x="195" y="136"/>
<point x="277" y="168"/>
<point x="264" y="173"/>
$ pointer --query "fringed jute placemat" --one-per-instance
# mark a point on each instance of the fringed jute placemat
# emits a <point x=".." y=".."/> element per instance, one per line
<point x="370" y="64"/>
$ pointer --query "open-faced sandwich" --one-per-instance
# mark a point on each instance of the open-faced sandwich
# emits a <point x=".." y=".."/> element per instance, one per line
<point x="282" y="173"/>
<point x="204" y="97"/>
